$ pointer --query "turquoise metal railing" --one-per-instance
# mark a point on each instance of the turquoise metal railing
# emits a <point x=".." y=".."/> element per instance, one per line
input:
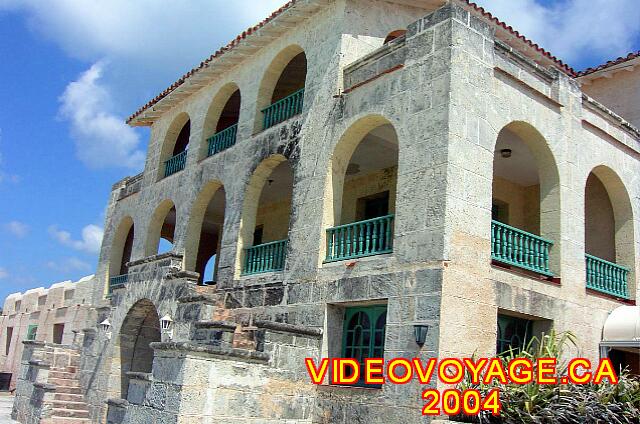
<point x="515" y="247"/>
<point x="364" y="238"/>
<point x="118" y="280"/>
<point x="175" y="164"/>
<point x="222" y="140"/>
<point x="265" y="258"/>
<point x="607" y="277"/>
<point x="283" y="109"/>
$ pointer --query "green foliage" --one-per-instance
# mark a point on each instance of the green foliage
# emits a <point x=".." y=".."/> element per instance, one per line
<point x="559" y="404"/>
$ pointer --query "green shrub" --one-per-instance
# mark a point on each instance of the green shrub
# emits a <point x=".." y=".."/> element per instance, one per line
<point x="559" y="404"/>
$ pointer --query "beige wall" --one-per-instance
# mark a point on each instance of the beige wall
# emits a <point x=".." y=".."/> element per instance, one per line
<point x="65" y="303"/>
<point x="620" y="93"/>
<point x="274" y="217"/>
<point x="600" y="230"/>
<point x="523" y="203"/>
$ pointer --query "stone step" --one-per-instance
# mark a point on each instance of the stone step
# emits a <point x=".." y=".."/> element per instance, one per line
<point x="68" y="413"/>
<point x="68" y="397"/>
<point x="65" y="404"/>
<point x="63" y="382"/>
<point x="65" y="420"/>
<point x="69" y="390"/>
<point x="62" y="374"/>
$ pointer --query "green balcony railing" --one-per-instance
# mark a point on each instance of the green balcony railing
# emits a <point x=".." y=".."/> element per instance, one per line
<point x="222" y="140"/>
<point x="266" y="257"/>
<point x="283" y="109"/>
<point x="607" y="277"/>
<point x="515" y="247"/>
<point x="359" y="239"/>
<point x="175" y="164"/>
<point x="118" y="280"/>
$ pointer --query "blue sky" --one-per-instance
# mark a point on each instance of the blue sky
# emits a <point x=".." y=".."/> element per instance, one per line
<point x="72" y="71"/>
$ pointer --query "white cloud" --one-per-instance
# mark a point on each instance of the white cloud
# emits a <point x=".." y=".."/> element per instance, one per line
<point x="17" y="228"/>
<point x="102" y="139"/>
<point x="3" y="273"/>
<point x="91" y="238"/>
<point x="573" y="29"/>
<point x="68" y="265"/>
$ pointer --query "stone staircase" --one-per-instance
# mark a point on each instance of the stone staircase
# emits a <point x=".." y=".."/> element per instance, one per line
<point x="68" y="404"/>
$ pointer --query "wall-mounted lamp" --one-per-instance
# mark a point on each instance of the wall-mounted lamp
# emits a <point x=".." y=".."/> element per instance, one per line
<point x="506" y="153"/>
<point x="420" y="331"/>
<point x="105" y="327"/>
<point x="166" y="325"/>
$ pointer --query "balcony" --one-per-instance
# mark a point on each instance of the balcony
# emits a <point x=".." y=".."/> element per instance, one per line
<point x="518" y="248"/>
<point x="175" y="164"/>
<point x="283" y="109"/>
<point x="360" y="239"/>
<point x="222" y="140"/>
<point x="607" y="277"/>
<point x="117" y="281"/>
<point x="266" y="257"/>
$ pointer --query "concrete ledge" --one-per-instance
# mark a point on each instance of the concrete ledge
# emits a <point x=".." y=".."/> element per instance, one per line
<point x="118" y="403"/>
<point x="154" y="258"/>
<point x="217" y="325"/>
<point x="289" y="328"/>
<point x="45" y="386"/>
<point x="39" y="363"/>
<point x="209" y="350"/>
<point x="197" y="298"/>
<point x="179" y="275"/>
<point x="33" y="343"/>
<point x="144" y="376"/>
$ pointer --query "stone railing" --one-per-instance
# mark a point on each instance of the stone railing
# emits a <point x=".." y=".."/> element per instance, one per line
<point x="387" y="58"/>
<point x="130" y="185"/>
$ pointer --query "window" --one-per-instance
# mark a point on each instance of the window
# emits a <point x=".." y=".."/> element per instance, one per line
<point x="68" y="294"/>
<point x="373" y="206"/>
<point x="8" y="341"/>
<point x="42" y="300"/>
<point x="32" y="331"/>
<point x="257" y="235"/>
<point x="58" y="332"/>
<point x="363" y="334"/>
<point x="513" y="333"/>
<point x="17" y="305"/>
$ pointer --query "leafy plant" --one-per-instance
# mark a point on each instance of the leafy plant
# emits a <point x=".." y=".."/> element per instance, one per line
<point x="558" y="404"/>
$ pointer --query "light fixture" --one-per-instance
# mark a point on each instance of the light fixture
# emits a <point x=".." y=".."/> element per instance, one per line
<point x="420" y="332"/>
<point x="506" y="153"/>
<point x="166" y="323"/>
<point x="105" y="327"/>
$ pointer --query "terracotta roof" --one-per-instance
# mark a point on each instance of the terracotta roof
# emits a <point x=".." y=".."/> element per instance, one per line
<point x="622" y="59"/>
<point x="217" y="54"/>
<point x="560" y="64"/>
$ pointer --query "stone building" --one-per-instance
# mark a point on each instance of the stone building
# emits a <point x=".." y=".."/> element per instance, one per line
<point x="55" y="315"/>
<point x="338" y="179"/>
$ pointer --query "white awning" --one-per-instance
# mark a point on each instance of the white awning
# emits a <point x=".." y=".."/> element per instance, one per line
<point x="623" y="325"/>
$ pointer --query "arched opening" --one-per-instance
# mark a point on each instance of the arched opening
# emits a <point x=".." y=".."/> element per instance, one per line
<point x="120" y="255"/>
<point x="173" y="155"/>
<point x="609" y="238"/>
<point x="221" y="123"/>
<point x="140" y="328"/>
<point x="264" y="227"/>
<point x="363" y="180"/>
<point x="162" y="226"/>
<point x="525" y="202"/>
<point x="394" y="35"/>
<point x="205" y="233"/>
<point x="281" y="92"/>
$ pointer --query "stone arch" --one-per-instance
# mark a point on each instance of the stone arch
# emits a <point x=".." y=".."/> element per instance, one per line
<point x="394" y="34"/>
<point x="258" y="190"/>
<point x="223" y="113"/>
<point x="159" y="227"/>
<point x="121" y="247"/>
<point x="176" y="141"/>
<point x="285" y="75"/>
<point x="609" y="220"/>
<point x="377" y="134"/>
<point x="202" y="243"/>
<point x="140" y="328"/>
<point x="526" y="185"/>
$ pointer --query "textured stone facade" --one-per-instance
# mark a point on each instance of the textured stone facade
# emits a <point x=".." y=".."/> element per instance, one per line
<point x="444" y="92"/>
